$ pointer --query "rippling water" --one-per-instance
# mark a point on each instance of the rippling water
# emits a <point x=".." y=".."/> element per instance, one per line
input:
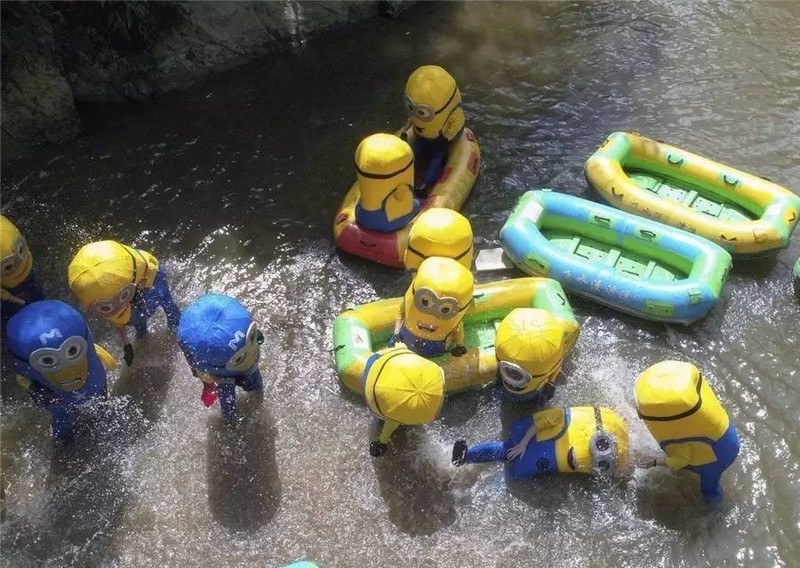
<point x="234" y="185"/>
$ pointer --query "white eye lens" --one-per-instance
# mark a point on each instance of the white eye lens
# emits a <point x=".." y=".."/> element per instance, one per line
<point x="48" y="361"/>
<point x="445" y="310"/>
<point x="238" y="359"/>
<point x="125" y="295"/>
<point x="105" y="309"/>
<point x="8" y="266"/>
<point x="74" y="351"/>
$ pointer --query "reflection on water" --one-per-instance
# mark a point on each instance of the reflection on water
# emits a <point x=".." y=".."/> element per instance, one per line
<point x="234" y="185"/>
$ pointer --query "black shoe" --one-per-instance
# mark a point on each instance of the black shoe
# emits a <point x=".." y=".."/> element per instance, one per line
<point x="459" y="452"/>
<point x="377" y="449"/>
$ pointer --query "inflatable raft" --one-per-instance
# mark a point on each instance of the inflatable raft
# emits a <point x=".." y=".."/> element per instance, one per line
<point x="362" y="330"/>
<point x="743" y="213"/>
<point x="626" y="262"/>
<point x="796" y="279"/>
<point x="451" y="191"/>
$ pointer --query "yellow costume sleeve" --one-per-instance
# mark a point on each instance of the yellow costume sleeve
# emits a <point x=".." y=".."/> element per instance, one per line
<point x="678" y="456"/>
<point x="387" y="430"/>
<point x="23" y="382"/>
<point x="205" y="377"/>
<point x="108" y="360"/>
<point x="6" y="295"/>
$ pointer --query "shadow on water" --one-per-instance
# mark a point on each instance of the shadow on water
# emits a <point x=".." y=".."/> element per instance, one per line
<point x="86" y="493"/>
<point x="417" y="493"/>
<point x="671" y="498"/>
<point x="757" y="268"/>
<point x="244" y="489"/>
<point x="147" y="381"/>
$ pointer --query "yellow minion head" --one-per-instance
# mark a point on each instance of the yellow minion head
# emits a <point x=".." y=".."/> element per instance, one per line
<point x="675" y="402"/>
<point x="438" y="298"/>
<point x="15" y="255"/>
<point x="404" y="387"/>
<point x="596" y="442"/>
<point x="433" y="103"/>
<point x="106" y="275"/>
<point x="529" y="347"/>
<point x="439" y="232"/>
<point x="385" y="168"/>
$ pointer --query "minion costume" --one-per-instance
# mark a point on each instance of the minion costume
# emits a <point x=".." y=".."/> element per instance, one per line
<point x="433" y="104"/>
<point x="19" y="283"/>
<point x="385" y="171"/>
<point x="434" y="306"/>
<point x="439" y="232"/>
<point x="122" y="285"/>
<point x="579" y="439"/>
<point x="401" y="388"/>
<point x="56" y="360"/>
<point x="686" y="419"/>
<point x="529" y="347"/>
<point x="222" y="344"/>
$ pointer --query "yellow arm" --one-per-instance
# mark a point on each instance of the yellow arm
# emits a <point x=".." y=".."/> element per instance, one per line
<point x="387" y="430"/>
<point x="206" y="378"/>
<point x="678" y="456"/>
<point x="106" y="358"/>
<point x="23" y="382"/>
<point x="9" y="297"/>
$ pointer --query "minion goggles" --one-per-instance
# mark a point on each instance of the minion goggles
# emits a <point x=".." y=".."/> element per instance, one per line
<point x="424" y="112"/>
<point x="13" y="261"/>
<point x="602" y="447"/>
<point x="48" y="360"/>
<point x="516" y="378"/>
<point x="428" y="302"/>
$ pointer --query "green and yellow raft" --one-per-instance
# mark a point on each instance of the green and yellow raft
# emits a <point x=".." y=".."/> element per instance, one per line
<point x="743" y="213"/>
<point x="362" y="330"/>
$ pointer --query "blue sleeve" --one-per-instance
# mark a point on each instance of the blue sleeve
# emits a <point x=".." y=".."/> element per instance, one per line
<point x="165" y="300"/>
<point x="227" y="398"/>
<point x="62" y="421"/>
<point x="435" y="167"/>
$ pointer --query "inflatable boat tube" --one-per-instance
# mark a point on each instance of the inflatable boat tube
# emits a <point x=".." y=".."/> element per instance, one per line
<point x="743" y="213"/>
<point x="631" y="264"/>
<point x="451" y="191"/>
<point x="362" y="330"/>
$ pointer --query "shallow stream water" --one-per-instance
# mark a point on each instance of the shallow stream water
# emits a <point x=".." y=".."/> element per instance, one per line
<point x="234" y="183"/>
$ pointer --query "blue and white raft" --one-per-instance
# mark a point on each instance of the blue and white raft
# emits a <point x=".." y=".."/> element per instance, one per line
<point x="629" y="263"/>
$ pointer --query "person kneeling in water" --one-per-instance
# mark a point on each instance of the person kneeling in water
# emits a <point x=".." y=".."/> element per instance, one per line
<point x="579" y="439"/>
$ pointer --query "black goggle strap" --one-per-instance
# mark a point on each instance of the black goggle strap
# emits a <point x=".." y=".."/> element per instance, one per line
<point x="134" y="270"/>
<point x="424" y="256"/>
<point x="384" y="176"/>
<point x="450" y="100"/>
<point x="689" y="412"/>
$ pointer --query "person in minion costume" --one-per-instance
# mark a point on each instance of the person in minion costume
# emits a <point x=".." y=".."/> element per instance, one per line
<point x="402" y="389"/>
<point x="122" y="285"/>
<point x="385" y="171"/>
<point x="433" y="105"/>
<point x="578" y="439"/>
<point x="433" y="309"/>
<point x="56" y="360"/>
<point x="222" y="344"/>
<point x="529" y="346"/>
<point x="439" y="232"/>
<point x="684" y="416"/>
<point x="17" y="278"/>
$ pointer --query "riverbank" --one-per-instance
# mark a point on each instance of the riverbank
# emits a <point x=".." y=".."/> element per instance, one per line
<point x="55" y="54"/>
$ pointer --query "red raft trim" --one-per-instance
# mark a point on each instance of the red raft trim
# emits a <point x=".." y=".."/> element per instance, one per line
<point x="372" y="245"/>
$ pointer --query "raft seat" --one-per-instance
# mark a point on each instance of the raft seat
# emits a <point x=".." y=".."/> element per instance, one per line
<point x="617" y="259"/>
<point x="669" y="189"/>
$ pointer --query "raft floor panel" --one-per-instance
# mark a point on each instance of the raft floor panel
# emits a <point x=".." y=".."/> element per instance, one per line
<point x="692" y="196"/>
<point x="620" y="260"/>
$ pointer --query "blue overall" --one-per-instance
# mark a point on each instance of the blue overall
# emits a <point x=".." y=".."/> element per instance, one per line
<point x="28" y="290"/>
<point x="420" y="346"/>
<point x="146" y="301"/>
<point x="725" y="449"/>
<point x="226" y="388"/>
<point x="430" y="156"/>
<point x="378" y="221"/>
<point x="539" y="458"/>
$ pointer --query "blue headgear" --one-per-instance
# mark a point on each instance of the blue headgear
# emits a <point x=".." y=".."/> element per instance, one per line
<point x="46" y="335"/>
<point x="212" y="330"/>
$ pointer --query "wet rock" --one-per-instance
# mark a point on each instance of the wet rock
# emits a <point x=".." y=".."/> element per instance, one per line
<point x="37" y="102"/>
